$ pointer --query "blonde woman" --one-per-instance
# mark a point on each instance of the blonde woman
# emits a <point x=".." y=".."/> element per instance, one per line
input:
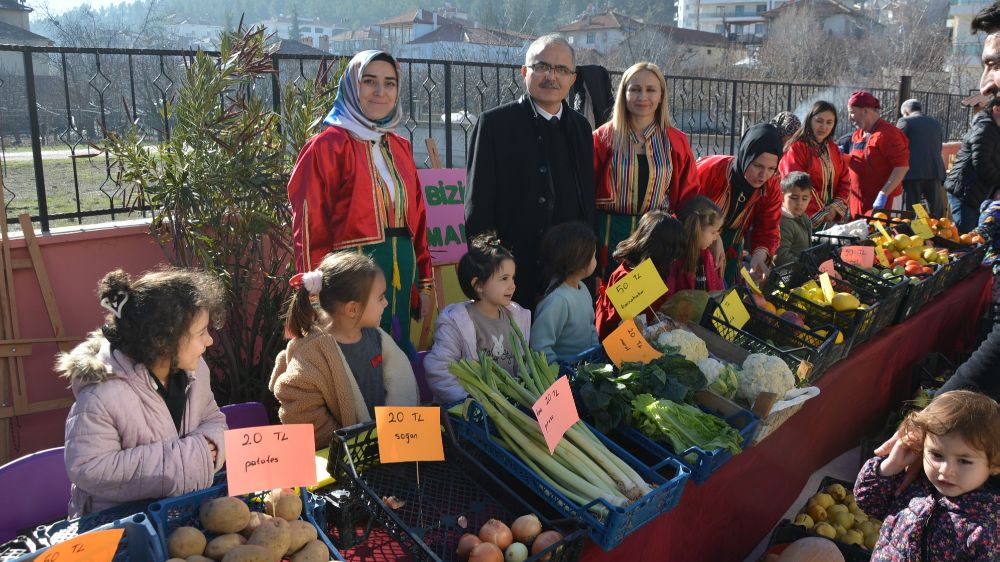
<point x="641" y="162"/>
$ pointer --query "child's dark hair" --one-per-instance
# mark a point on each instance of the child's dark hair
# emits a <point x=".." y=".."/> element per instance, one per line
<point x="974" y="416"/>
<point x="796" y="180"/>
<point x="566" y="249"/>
<point x="697" y="214"/>
<point x="659" y="237"/>
<point x="155" y="311"/>
<point x="481" y="261"/>
<point x="347" y="276"/>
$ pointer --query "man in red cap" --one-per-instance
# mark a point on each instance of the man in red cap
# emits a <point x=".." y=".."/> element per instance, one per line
<point x="879" y="157"/>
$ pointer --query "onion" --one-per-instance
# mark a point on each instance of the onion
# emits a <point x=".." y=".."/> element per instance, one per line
<point x="516" y="552"/>
<point x="486" y="552"/>
<point x="494" y="531"/>
<point x="543" y="541"/>
<point x="525" y="528"/>
<point x="466" y="544"/>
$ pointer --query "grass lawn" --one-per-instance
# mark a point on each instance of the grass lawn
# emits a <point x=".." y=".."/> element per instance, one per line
<point x="95" y="188"/>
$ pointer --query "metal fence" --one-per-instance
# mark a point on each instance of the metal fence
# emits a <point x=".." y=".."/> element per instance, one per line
<point x="56" y="103"/>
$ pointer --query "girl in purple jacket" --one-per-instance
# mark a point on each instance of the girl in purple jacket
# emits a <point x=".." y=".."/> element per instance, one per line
<point x="145" y="424"/>
<point x="952" y="514"/>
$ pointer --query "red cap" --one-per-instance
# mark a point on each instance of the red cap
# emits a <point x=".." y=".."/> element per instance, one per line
<point x="863" y="99"/>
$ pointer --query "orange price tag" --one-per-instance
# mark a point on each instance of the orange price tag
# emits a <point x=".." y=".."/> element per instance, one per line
<point x="409" y="433"/>
<point x="556" y="412"/>
<point x="95" y="546"/>
<point x="627" y="344"/>
<point x="882" y="258"/>
<point x="827" y="267"/>
<point x="861" y="256"/>
<point x="270" y="456"/>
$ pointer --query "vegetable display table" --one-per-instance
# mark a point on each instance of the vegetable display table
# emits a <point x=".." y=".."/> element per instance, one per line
<point x="723" y="519"/>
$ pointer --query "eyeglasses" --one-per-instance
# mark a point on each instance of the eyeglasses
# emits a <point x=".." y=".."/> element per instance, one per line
<point x="543" y="67"/>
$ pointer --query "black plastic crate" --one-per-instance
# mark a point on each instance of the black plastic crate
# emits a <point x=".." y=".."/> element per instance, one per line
<point x="427" y="525"/>
<point x="754" y="344"/>
<point x="62" y="531"/>
<point x="138" y="542"/>
<point x="786" y="533"/>
<point x="17" y="548"/>
<point x="851" y="552"/>
<point x="821" y="351"/>
<point x="856" y="325"/>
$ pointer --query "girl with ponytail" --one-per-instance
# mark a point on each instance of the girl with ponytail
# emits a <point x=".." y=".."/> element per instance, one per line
<point x="339" y="365"/>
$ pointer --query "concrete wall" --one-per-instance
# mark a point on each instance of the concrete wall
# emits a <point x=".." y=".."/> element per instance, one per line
<point x="76" y="258"/>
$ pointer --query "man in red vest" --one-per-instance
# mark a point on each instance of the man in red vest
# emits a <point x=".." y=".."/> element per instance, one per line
<point x="879" y="157"/>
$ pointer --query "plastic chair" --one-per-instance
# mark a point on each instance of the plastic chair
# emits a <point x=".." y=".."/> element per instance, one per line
<point x="423" y="388"/>
<point x="43" y="491"/>
<point x="246" y="414"/>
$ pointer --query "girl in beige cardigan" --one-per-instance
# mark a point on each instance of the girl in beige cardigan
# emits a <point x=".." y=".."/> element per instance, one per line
<point x="339" y="365"/>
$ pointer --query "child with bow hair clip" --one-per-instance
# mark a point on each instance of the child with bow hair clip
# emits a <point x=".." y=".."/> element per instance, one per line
<point x="339" y="365"/>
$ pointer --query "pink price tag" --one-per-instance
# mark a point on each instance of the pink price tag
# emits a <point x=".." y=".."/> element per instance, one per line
<point x="861" y="256"/>
<point x="270" y="456"/>
<point x="827" y="267"/>
<point x="556" y="412"/>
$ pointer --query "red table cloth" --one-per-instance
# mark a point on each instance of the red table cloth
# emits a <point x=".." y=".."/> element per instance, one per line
<point x="725" y="518"/>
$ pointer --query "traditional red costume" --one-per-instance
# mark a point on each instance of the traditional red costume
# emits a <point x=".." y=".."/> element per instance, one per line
<point x="803" y="156"/>
<point x="762" y="210"/>
<point x="873" y="156"/>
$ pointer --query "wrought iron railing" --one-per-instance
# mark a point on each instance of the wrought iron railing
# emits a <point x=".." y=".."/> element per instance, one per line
<point x="56" y="102"/>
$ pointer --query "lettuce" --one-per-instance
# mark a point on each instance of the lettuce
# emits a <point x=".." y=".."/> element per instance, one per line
<point x="683" y="426"/>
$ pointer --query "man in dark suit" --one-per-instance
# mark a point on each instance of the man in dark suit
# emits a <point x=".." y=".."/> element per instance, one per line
<point x="925" y="178"/>
<point x="531" y="164"/>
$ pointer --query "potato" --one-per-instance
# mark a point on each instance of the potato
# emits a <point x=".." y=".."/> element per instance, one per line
<point x="313" y="551"/>
<point x="198" y="558"/>
<point x="220" y="545"/>
<point x="224" y="515"/>
<point x="273" y="535"/>
<point x="300" y="533"/>
<point x="186" y="541"/>
<point x="248" y="553"/>
<point x="256" y="517"/>
<point x="284" y="503"/>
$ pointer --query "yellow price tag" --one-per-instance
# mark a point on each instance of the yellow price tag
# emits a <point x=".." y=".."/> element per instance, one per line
<point x="827" y="286"/>
<point x="750" y="282"/>
<point x="921" y="229"/>
<point x="882" y="231"/>
<point x="882" y="258"/>
<point x="636" y="291"/>
<point x="732" y="310"/>
<point x="627" y="344"/>
<point x="920" y="211"/>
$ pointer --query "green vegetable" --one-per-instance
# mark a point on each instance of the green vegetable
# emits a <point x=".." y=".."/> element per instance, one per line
<point x="727" y="383"/>
<point x="683" y="426"/>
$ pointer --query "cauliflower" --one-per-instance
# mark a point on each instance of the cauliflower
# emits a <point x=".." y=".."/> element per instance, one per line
<point x="687" y="344"/>
<point x="764" y="373"/>
<point x="710" y="368"/>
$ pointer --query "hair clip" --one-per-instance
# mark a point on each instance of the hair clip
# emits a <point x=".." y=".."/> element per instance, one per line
<point x="311" y="280"/>
<point x="117" y="306"/>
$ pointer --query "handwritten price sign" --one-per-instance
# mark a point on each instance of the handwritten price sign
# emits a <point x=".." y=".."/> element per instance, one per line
<point x="556" y="412"/>
<point x="627" y="344"/>
<point x="270" y="456"/>
<point x="637" y="290"/>
<point x="410" y="433"/>
<point x="95" y="546"/>
<point x="732" y="310"/>
<point x="861" y="256"/>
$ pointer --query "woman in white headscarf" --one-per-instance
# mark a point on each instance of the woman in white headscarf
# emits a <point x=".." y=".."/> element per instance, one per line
<point x="355" y="186"/>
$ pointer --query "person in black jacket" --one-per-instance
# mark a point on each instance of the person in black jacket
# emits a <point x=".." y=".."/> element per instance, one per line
<point x="923" y="179"/>
<point x="976" y="171"/>
<point x="531" y="164"/>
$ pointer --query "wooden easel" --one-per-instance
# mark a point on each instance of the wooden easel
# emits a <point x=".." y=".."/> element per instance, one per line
<point x="13" y="383"/>
<point x="427" y="324"/>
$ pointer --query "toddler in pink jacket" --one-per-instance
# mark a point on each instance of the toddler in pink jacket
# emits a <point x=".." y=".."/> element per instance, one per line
<point x="145" y="424"/>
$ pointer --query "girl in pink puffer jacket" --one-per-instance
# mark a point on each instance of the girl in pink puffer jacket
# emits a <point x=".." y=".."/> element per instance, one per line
<point x="145" y="424"/>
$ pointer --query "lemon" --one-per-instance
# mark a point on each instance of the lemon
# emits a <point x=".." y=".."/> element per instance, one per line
<point x="843" y="302"/>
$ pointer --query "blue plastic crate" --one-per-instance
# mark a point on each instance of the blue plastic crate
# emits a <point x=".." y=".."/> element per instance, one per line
<point x="182" y="511"/>
<point x="701" y="462"/>
<point x="138" y="542"/>
<point x="426" y="524"/>
<point x="607" y="531"/>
